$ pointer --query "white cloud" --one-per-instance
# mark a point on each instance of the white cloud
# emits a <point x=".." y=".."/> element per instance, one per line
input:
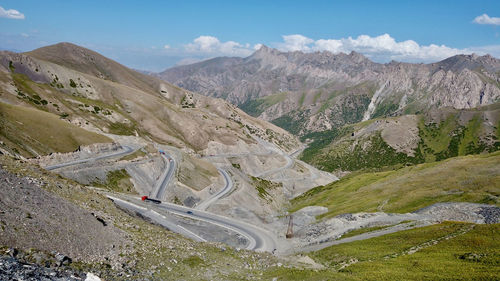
<point x="11" y="14"/>
<point x="166" y="47"/>
<point x="209" y="45"/>
<point x="380" y="48"/>
<point x="485" y="19"/>
<point x="383" y="48"/>
<point x="295" y="42"/>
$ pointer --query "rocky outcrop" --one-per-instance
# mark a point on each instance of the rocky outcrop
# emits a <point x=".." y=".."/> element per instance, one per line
<point x="12" y="268"/>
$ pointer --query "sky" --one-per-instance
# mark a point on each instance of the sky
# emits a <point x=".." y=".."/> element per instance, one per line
<point x="155" y="35"/>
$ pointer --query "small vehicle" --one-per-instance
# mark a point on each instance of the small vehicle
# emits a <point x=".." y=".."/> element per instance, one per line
<point x="145" y="198"/>
<point x="189" y="212"/>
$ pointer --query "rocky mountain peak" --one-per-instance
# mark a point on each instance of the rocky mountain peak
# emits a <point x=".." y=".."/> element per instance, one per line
<point x="264" y="48"/>
<point x="357" y="57"/>
<point x="471" y="62"/>
<point x="264" y="52"/>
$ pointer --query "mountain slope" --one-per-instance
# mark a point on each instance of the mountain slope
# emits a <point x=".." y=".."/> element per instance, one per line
<point x="473" y="178"/>
<point x="99" y="94"/>
<point x="32" y="132"/>
<point x="326" y="90"/>
<point x="404" y="140"/>
<point x="92" y="63"/>
<point x="43" y="214"/>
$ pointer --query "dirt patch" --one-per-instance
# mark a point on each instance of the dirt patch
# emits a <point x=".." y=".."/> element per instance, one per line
<point x="399" y="133"/>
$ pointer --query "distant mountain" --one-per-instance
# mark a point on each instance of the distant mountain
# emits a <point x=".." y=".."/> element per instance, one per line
<point x="313" y="92"/>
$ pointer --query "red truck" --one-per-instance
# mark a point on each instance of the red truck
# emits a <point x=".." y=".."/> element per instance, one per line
<point x="145" y="198"/>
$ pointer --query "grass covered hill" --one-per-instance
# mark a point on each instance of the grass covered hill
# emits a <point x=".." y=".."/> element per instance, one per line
<point x="405" y="140"/>
<point x="473" y="178"/>
<point x="445" y="251"/>
<point x="31" y="132"/>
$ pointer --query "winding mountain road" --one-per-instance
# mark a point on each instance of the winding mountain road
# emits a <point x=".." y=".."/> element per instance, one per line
<point x="227" y="188"/>
<point x="127" y="150"/>
<point x="229" y="155"/>
<point x="160" y="219"/>
<point x="258" y="239"/>
<point x="159" y="190"/>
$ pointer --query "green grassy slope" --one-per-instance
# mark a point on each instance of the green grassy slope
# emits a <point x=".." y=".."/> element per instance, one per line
<point x="460" y="133"/>
<point x="28" y="131"/>
<point x="257" y="106"/>
<point x="469" y="178"/>
<point x="339" y="107"/>
<point x="118" y="180"/>
<point x="447" y="251"/>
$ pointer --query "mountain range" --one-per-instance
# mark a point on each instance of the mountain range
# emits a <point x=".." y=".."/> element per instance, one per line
<point x="313" y="92"/>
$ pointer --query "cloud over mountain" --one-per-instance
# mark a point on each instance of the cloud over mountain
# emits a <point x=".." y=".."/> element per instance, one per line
<point x="211" y="45"/>
<point x="380" y="48"/>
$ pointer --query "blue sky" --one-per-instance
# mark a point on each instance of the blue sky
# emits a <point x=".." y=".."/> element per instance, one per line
<point x="154" y="35"/>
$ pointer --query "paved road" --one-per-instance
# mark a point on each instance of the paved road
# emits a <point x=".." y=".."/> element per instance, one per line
<point x="158" y="218"/>
<point x="271" y="148"/>
<point x="363" y="236"/>
<point x="258" y="239"/>
<point x="127" y="150"/>
<point x="297" y="152"/>
<point x="229" y="155"/>
<point x="161" y="186"/>
<point x="227" y="188"/>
